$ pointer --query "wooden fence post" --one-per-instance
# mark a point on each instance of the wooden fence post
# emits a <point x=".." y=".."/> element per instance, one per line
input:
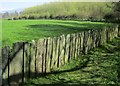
<point x="5" y="65"/>
<point x="29" y="59"/>
<point x="85" y="40"/>
<point x="26" y="60"/>
<point x="81" y="42"/>
<point x="103" y="36"/>
<point x="89" y="42"/>
<point x="70" y="49"/>
<point x="58" y="51"/>
<point x="76" y="45"/>
<point x="67" y="48"/>
<point x="48" y="54"/>
<point x="62" y="50"/>
<point x="73" y="46"/>
<point x="33" y="59"/>
<point x="17" y="64"/>
<point x="39" y="57"/>
<point x="54" y="54"/>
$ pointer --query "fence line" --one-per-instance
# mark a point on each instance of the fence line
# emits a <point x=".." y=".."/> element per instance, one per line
<point x="26" y="60"/>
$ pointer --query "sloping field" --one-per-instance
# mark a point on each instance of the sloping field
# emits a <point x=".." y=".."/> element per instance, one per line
<point x="27" y="30"/>
<point x="101" y="67"/>
<point x="96" y="10"/>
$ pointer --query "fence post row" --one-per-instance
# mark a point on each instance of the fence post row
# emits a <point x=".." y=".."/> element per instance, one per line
<point x="26" y="60"/>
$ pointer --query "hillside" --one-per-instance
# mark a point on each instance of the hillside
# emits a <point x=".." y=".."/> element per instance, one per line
<point x="61" y="10"/>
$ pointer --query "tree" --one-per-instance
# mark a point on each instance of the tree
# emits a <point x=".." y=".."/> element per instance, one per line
<point x="5" y="15"/>
<point x="16" y="13"/>
<point x="116" y="9"/>
<point x="69" y="10"/>
<point x="114" y="15"/>
<point x="109" y="17"/>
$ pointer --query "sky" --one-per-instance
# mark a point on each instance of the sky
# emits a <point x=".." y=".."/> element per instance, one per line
<point x="6" y="5"/>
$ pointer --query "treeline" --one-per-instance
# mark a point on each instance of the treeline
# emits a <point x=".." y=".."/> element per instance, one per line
<point x="7" y="15"/>
<point x="114" y="15"/>
<point x="67" y="10"/>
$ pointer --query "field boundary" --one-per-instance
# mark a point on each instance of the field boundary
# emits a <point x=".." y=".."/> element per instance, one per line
<point x="31" y="59"/>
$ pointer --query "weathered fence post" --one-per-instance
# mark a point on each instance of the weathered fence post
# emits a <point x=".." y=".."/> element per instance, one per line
<point x="70" y="48"/>
<point x="89" y="42"/>
<point x="81" y="42"/>
<point x="54" y="54"/>
<point x="39" y="57"/>
<point x="17" y="64"/>
<point x="5" y="65"/>
<point x="67" y="48"/>
<point x="29" y="59"/>
<point x="103" y="36"/>
<point x="73" y="45"/>
<point x="62" y="50"/>
<point x="58" y="51"/>
<point x="26" y="60"/>
<point x="85" y="40"/>
<point x="107" y="35"/>
<point x="33" y="59"/>
<point x="77" y="45"/>
<point x="48" y="54"/>
<point x="98" y="38"/>
<point x="93" y="38"/>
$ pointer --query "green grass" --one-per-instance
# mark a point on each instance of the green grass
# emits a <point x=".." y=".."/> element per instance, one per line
<point x="101" y="66"/>
<point x="27" y="30"/>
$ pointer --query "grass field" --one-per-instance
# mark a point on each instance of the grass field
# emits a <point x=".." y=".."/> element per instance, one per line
<point x="101" y="66"/>
<point x="27" y="30"/>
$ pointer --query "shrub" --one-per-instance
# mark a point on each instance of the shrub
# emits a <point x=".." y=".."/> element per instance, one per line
<point x="15" y="18"/>
<point x="109" y="17"/>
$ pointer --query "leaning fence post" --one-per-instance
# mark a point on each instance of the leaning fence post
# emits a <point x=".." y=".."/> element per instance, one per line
<point x="5" y="65"/>
<point x="23" y="64"/>
<point x="16" y="63"/>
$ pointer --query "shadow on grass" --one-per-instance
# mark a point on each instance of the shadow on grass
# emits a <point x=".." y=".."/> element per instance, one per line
<point x="15" y="79"/>
<point x="6" y="61"/>
<point x="88" y="24"/>
<point x="59" y="27"/>
<point x="67" y="26"/>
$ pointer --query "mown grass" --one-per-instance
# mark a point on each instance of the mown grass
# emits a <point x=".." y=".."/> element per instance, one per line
<point x="101" y="66"/>
<point x="27" y="30"/>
